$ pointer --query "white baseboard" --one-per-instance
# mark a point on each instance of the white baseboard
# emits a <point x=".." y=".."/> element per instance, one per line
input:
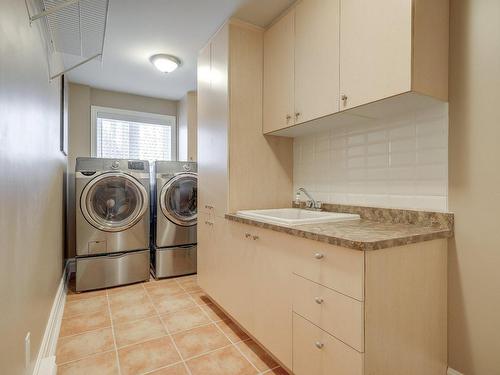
<point x="45" y="360"/>
<point x="453" y="372"/>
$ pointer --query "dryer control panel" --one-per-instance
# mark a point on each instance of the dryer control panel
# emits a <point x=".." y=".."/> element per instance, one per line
<point x="136" y="165"/>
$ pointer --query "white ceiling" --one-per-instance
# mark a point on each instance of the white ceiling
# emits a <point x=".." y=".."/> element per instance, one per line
<point x="138" y="29"/>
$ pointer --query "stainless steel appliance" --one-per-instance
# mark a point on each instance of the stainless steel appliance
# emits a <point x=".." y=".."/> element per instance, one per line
<point x="112" y="222"/>
<point x="173" y="250"/>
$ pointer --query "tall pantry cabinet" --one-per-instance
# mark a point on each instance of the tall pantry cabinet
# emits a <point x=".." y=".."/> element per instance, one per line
<point x="238" y="167"/>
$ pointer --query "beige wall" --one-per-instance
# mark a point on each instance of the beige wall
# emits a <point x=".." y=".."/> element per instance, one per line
<point x="131" y="102"/>
<point x="81" y="98"/>
<point x="187" y="127"/>
<point x="31" y="188"/>
<point x="474" y="192"/>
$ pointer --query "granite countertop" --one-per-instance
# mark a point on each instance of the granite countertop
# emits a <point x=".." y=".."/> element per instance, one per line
<point x="363" y="234"/>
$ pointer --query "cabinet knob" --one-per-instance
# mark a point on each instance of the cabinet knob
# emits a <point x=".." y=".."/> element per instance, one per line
<point x="319" y="345"/>
<point x="297" y="115"/>
<point x="288" y="118"/>
<point x="319" y="256"/>
<point x="248" y="235"/>
<point x="318" y="300"/>
<point x="255" y="238"/>
<point x="344" y="99"/>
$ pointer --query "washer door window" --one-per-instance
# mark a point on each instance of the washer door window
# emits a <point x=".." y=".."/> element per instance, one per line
<point x="114" y="202"/>
<point x="178" y="199"/>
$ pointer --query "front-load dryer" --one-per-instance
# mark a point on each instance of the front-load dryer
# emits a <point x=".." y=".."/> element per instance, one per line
<point x="174" y="218"/>
<point x="112" y="222"/>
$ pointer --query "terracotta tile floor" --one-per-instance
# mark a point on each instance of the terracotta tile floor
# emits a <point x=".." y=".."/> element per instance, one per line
<point x="167" y="327"/>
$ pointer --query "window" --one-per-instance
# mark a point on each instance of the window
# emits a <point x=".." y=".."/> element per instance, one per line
<point x="124" y="134"/>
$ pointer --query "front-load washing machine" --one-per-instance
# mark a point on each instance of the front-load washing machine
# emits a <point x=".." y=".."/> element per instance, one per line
<point x="173" y="250"/>
<point x="112" y="222"/>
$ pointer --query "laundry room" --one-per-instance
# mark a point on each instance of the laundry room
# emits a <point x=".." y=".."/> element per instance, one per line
<point x="249" y="187"/>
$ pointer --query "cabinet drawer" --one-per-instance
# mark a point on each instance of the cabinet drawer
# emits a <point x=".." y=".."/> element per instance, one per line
<point x="315" y="352"/>
<point x="337" y="268"/>
<point x="105" y="271"/>
<point x="337" y="314"/>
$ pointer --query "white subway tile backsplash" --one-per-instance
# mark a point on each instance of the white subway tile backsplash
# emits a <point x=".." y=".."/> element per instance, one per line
<point x="356" y="162"/>
<point x="377" y="148"/>
<point x="401" y="162"/>
<point x="403" y="145"/>
<point x="356" y="151"/>
<point x="358" y="139"/>
<point x="378" y="136"/>
<point x="377" y="161"/>
<point x="398" y="159"/>
<point x="405" y="131"/>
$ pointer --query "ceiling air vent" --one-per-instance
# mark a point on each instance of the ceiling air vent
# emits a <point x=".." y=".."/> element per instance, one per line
<point x="74" y="31"/>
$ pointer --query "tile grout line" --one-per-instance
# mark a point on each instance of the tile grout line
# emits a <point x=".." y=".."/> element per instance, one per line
<point x="162" y="368"/>
<point x="173" y="341"/>
<point x="113" y="333"/>
<point x="217" y="326"/>
<point x="84" y="313"/>
<point x="84" y="332"/>
<point x="167" y="330"/>
<point x="200" y="305"/>
<point x="85" y="357"/>
<point x="209" y="352"/>
<point x="236" y="347"/>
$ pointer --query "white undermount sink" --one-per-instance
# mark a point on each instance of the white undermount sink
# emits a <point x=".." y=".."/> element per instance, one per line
<point x="295" y="216"/>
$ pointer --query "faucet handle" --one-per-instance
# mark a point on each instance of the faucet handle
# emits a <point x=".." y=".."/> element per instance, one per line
<point x="319" y="205"/>
<point x="309" y="204"/>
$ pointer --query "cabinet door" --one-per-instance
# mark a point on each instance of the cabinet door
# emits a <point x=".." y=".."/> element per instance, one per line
<point x="272" y="293"/>
<point x="315" y="352"/>
<point x="204" y="142"/>
<point x="237" y="265"/>
<point x="375" y="50"/>
<point x="316" y="59"/>
<point x="213" y="123"/>
<point x="206" y="256"/>
<point x="278" y="106"/>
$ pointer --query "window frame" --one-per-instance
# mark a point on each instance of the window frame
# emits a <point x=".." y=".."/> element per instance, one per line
<point x="127" y="115"/>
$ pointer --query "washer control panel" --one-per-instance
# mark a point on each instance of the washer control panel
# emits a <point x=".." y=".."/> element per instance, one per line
<point x="136" y="165"/>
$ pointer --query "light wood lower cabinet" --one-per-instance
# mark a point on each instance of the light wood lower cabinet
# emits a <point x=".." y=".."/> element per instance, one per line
<point x="339" y="315"/>
<point x="332" y="266"/>
<point x="273" y="293"/>
<point x="347" y="313"/>
<point x="315" y="352"/>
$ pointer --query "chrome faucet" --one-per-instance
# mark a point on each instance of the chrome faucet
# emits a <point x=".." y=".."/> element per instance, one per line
<point x="311" y="204"/>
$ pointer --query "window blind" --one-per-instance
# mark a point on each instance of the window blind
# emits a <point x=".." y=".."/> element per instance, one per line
<point x="129" y="139"/>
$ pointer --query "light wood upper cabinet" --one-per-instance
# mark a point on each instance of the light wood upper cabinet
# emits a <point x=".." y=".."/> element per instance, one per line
<point x="279" y="74"/>
<point x="375" y="46"/>
<point x="349" y="55"/>
<point x="316" y="87"/>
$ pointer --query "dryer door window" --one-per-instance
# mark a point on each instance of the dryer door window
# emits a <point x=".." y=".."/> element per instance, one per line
<point x="178" y="199"/>
<point x="114" y="202"/>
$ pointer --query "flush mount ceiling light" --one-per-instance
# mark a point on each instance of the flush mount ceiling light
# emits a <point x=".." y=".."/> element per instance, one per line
<point x="165" y="63"/>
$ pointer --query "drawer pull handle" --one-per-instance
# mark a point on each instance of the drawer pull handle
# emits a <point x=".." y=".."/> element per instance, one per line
<point x="318" y="300"/>
<point x="319" y="345"/>
<point x="319" y="256"/>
